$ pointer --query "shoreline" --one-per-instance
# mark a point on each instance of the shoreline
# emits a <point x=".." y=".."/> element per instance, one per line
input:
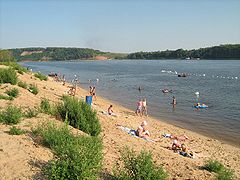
<point x="166" y="120"/>
<point x="115" y="140"/>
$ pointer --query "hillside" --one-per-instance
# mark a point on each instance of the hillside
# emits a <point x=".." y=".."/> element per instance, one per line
<point x="59" y="53"/>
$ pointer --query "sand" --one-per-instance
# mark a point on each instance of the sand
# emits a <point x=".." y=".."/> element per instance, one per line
<point x="22" y="158"/>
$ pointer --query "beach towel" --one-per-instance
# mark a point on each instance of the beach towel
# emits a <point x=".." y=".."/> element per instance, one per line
<point x="132" y="132"/>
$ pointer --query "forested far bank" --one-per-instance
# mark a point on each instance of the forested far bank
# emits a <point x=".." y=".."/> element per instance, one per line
<point x="229" y="51"/>
<point x="60" y="53"/>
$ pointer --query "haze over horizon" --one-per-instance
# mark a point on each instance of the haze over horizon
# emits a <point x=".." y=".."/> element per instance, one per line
<point x="119" y="26"/>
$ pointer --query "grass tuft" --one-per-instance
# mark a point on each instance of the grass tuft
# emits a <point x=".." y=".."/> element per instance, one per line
<point x="33" y="89"/>
<point x="45" y="106"/>
<point x="8" y="76"/>
<point x="6" y="97"/>
<point x="14" y="92"/>
<point x="30" y="113"/>
<point x="16" y="131"/>
<point x="22" y="84"/>
<point x="222" y="172"/>
<point x="11" y="115"/>
<point x="138" y="166"/>
<point x="41" y="76"/>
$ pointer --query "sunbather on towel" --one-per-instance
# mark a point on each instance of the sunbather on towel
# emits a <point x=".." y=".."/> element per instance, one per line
<point x="182" y="137"/>
<point x="142" y="130"/>
<point x="185" y="152"/>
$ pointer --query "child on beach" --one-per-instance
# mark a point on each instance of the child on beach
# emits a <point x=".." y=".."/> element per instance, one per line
<point x="139" y="107"/>
<point x="110" y="111"/>
<point x="92" y="92"/>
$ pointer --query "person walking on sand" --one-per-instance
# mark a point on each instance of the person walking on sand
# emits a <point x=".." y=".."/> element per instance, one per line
<point x="144" y="107"/>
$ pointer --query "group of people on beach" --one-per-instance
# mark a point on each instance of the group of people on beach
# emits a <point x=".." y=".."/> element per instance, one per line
<point x="177" y="144"/>
<point x="142" y="107"/>
<point x="142" y="130"/>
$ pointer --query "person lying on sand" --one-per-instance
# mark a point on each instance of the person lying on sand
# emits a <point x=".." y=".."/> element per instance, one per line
<point x="185" y="152"/>
<point x="141" y="132"/>
<point x="176" y="145"/>
<point x="182" y="137"/>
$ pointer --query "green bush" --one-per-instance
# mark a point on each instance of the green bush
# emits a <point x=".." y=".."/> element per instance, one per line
<point x="33" y="89"/>
<point x="45" y="106"/>
<point x="30" y="113"/>
<point x="6" y="97"/>
<point x="222" y="172"/>
<point x="79" y="157"/>
<point x="225" y="174"/>
<point x="138" y="166"/>
<point x="15" y="66"/>
<point x="79" y="115"/>
<point x="213" y="166"/>
<point x="41" y="76"/>
<point x="11" y="115"/>
<point x="14" y="92"/>
<point x="22" y="84"/>
<point x="16" y="131"/>
<point x="8" y="75"/>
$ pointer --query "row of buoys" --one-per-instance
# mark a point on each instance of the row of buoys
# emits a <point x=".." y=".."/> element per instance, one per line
<point x="201" y="75"/>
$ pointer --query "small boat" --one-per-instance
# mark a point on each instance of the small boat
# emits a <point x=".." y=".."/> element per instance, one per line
<point x="52" y="75"/>
<point x="166" y="91"/>
<point x="200" y="106"/>
<point x="182" y="75"/>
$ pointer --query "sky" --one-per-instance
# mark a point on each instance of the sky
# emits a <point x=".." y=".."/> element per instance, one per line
<point x="119" y="25"/>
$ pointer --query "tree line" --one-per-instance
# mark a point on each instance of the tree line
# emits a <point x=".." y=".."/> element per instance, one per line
<point x="54" y="53"/>
<point x="229" y="51"/>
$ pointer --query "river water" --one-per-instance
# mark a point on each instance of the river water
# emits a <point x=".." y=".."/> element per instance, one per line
<point x="217" y="81"/>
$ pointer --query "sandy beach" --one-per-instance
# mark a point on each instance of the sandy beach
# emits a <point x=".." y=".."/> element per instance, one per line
<point x="22" y="158"/>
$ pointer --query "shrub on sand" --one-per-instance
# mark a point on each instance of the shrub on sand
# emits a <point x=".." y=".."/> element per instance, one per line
<point x="225" y="174"/>
<point x="78" y="157"/>
<point x="14" y="92"/>
<point x="138" y="166"/>
<point x="79" y="115"/>
<point x="22" y="84"/>
<point x="30" y="113"/>
<point x="6" y="97"/>
<point x="41" y="76"/>
<point x="213" y="166"/>
<point x="8" y="76"/>
<point x="16" y="131"/>
<point x="33" y="89"/>
<point x="15" y="66"/>
<point x="45" y="106"/>
<point x="222" y="172"/>
<point x="11" y="115"/>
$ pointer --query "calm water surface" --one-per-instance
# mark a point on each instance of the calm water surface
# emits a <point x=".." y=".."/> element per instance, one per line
<point x="218" y="83"/>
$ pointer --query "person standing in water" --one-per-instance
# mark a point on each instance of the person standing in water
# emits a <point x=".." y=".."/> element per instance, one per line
<point x="174" y="101"/>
